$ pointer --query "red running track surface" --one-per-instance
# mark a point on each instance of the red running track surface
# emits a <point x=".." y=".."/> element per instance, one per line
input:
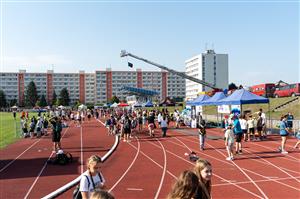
<point x="147" y="167"/>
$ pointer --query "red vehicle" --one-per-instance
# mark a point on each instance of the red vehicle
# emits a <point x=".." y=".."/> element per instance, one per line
<point x="288" y="90"/>
<point x="265" y="90"/>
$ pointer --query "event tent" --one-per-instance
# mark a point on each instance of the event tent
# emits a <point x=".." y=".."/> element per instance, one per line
<point x="148" y="104"/>
<point x="114" y="105"/>
<point x="214" y="99"/>
<point x="242" y="96"/>
<point x="198" y="100"/>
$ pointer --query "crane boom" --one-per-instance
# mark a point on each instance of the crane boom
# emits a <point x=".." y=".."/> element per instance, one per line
<point x="181" y="74"/>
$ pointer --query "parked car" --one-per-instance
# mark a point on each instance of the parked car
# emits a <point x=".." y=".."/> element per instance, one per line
<point x="265" y="90"/>
<point x="288" y="90"/>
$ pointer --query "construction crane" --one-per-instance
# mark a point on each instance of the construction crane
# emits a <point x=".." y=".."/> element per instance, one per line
<point x="181" y="74"/>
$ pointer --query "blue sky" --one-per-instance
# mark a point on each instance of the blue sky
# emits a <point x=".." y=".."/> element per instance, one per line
<point x="261" y="39"/>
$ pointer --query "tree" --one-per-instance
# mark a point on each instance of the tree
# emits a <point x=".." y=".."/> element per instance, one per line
<point x="13" y="102"/>
<point x="114" y="99"/>
<point x="54" y="96"/>
<point x="232" y="86"/>
<point x="3" y="102"/>
<point x="42" y="102"/>
<point x="64" y="98"/>
<point x="31" y="94"/>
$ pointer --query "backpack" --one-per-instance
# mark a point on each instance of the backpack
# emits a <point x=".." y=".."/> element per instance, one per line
<point x="63" y="159"/>
<point x="76" y="192"/>
<point x="126" y="124"/>
<point x="133" y="124"/>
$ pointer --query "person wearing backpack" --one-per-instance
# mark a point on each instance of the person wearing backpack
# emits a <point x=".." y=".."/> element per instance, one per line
<point x="56" y="133"/>
<point x="92" y="179"/>
<point x="127" y="129"/>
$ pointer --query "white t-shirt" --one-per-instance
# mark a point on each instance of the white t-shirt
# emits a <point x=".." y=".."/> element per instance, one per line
<point x="250" y="123"/>
<point x="243" y="123"/>
<point x="88" y="187"/>
<point x="164" y="123"/>
<point x="230" y="136"/>
<point x="263" y="115"/>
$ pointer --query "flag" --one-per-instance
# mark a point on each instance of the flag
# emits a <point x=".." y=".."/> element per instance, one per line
<point x="130" y="65"/>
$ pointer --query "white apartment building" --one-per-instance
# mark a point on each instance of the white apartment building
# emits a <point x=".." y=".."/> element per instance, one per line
<point x="209" y="67"/>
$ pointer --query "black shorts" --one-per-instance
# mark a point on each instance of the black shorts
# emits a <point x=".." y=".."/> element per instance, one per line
<point x="285" y="135"/>
<point x="259" y="128"/>
<point x="251" y="131"/>
<point x="56" y="137"/>
<point x="127" y="131"/>
<point x="238" y="137"/>
<point x="245" y="131"/>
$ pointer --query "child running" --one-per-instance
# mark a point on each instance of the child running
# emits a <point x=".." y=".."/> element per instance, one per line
<point x="229" y="142"/>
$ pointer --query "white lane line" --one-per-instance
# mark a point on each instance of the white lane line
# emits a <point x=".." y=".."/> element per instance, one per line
<point x="287" y="157"/>
<point x="133" y="161"/>
<point x="40" y="173"/>
<point x="171" y="174"/>
<point x="261" y="191"/>
<point x="268" y="163"/>
<point x="260" y="161"/>
<point x="246" y="190"/>
<point x="241" y="170"/>
<point x="8" y="164"/>
<point x="134" y="189"/>
<point x="164" y="170"/>
<point x="272" y="179"/>
<point x="81" y="150"/>
<point x="248" y="182"/>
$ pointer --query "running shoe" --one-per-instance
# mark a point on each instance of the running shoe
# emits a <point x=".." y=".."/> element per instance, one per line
<point x="284" y="152"/>
<point x="228" y="158"/>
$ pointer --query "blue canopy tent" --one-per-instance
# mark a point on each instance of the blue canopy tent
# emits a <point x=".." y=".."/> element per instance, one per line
<point x="198" y="101"/>
<point x="242" y="96"/>
<point x="214" y="99"/>
<point x="148" y="104"/>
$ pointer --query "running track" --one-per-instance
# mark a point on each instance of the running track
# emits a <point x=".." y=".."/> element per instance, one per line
<point x="147" y="167"/>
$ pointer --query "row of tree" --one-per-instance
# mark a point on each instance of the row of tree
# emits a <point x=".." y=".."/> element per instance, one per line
<point x="33" y="99"/>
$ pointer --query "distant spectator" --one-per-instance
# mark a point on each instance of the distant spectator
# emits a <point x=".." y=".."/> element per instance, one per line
<point x="297" y="135"/>
<point x="284" y="132"/>
<point x="202" y="131"/>
<point x="238" y="133"/>
<point x="92" y="179"/>
<point x="203" y="171"/>
<point x="229" y="142"/>
<point x="251" y="129"/>
<point x="101" y="194"/>
<point x="186" y="186"/>
<point x="164" y="125"/>
<point x="264" y="124"/>
<point x="15" y="114"/>
<point x="290" y="119"/>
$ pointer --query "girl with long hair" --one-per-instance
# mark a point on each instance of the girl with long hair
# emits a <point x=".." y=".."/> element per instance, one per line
<point x="185" y="187"/>
<point x="203" y="170"/>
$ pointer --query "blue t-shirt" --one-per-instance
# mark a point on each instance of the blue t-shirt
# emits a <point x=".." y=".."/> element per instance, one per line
<point x="237" y="127"/>
<point x="282" y="127"/>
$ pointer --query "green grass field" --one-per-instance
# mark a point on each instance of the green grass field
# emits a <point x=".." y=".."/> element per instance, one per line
<point x="10" y="130"/>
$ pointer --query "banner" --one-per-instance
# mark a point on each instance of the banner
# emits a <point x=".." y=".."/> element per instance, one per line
<point x="223" y="109"/>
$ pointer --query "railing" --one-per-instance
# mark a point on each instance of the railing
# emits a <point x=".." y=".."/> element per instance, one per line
<point x="271" y="124"/>
<point x="73" y="183"/>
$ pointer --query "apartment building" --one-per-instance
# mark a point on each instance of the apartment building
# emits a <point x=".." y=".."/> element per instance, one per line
<point x="96" y="87"/>
<point x="209" y="67"/>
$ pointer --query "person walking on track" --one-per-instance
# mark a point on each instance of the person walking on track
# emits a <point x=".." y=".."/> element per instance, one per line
<point x="202" y="131"/>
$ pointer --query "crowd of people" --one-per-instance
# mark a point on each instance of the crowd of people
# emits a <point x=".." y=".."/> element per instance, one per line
<point x="194" y="183"/>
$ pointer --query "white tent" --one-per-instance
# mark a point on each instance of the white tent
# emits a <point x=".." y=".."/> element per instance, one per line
<point x="114" y="105"/>
<point x="14" y="107"/>
<point x="61" y="107"/>
<point x="82" y="107"/>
